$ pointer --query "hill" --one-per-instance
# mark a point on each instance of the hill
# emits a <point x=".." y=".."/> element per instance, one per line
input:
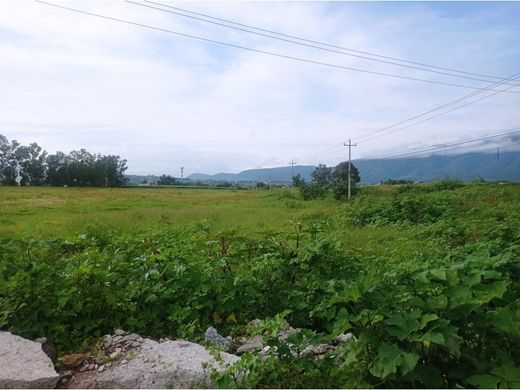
<point x="469" y="166"/>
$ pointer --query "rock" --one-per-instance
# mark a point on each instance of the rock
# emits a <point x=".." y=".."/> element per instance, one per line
<point x="212" y="337"/>
<point x="73" y="360"/>
<point x="66" y="374"/>
<point x="101" y="368"/>
<point x="119" y="332"/>
<point x="252" y="344"/>
<point x="135" y="344"/>
<point x="107" y="341"/>
<point x="117" y="339"/>
<point x="171" y="364"/>
<point x="131" y="337"/>
<point x="316" y="350"/>
<point x="254" y="323"/>
<point x="83" y="368"/>
<point x="344" y="338"/>
<point x="48" y="347"/>
<point x="284" y="334"/>
<point x="23" y="364"/>
<point x="114" y="355"/>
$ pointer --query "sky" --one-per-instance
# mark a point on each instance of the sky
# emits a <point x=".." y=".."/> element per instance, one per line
<point x="162" y="100"/>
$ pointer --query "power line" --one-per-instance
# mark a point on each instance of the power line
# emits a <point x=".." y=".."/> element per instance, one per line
<point x="321" y="43"/>
<point x="301" y="43"/>
<point x="374" y="134"/>
<point x="269" y="53"/>
<point x="449" y="146"/>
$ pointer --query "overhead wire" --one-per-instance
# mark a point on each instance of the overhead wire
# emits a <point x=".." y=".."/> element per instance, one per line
<point x="302" y="43"/>
<point x="269" y="53"/>
<point x="445" y="147"/>
<point x="375" y="133"/>
<point x="320" y="43"/>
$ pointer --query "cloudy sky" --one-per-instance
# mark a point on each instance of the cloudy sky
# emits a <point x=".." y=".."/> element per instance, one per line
<point x="163" y="101"/>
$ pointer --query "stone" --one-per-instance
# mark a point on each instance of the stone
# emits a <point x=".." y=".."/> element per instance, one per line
<point x="107" y="341"/>
<point x="73" y="360"/>
<point x="131" y="337"/>
<point x="344" y="338"/>
<point x="254" y="323"/>
<point x="23" y="364"/>
<point x="316" y="350"/>
<point x="83" y="368"/>
<point x="119" y="332"/>
<point x="135" y="344"/>
<point x="117" y="339"/>
<point x="114" y="355"/>
<point x="255" y="343"/>
<point x="284" y="334"/>
<point x="48" y="347"/>
<point x="171" y="364"/>
<point x="101" y="368"/>
<point x="213" y="337"/>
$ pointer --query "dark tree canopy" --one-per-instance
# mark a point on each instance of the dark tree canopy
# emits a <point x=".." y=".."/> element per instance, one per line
<point x="78" y="168"/>
<point x="340" y="173"/>
<point x="322" y="175"/>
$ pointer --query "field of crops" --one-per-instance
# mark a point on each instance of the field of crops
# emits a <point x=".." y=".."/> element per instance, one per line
<point x="427" y="277"/>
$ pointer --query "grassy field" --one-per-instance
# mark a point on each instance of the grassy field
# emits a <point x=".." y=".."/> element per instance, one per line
<point x="44" y="212"/>
<point x="427" y="277"/>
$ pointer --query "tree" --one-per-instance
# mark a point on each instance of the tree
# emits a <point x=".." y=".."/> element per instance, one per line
<point x="340" y="180"/>
<point x="298" y="180"/>
<point x="8" y="163"/>
<point x="322" y="175"/>
<point x="31" y="163"/>
<point x="340" y="173"/>
<point x="58" y="173"/>
<point x="166" y="180"/>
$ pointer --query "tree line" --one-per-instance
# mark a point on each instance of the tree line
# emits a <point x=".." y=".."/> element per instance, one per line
<point x="325" y="179"/>
<point x="31" y="165"/>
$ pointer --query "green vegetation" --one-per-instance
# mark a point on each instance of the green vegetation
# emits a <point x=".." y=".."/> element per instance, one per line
<point x="427" y="277"/>
<point x="31" y="165"/>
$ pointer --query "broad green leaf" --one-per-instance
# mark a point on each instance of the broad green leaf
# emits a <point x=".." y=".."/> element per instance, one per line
<point x="506" y="320"/>
<point x="509" y="373"/>
<point x="409" y="361"/>
<point x="437" y="303"/>
<point x="485" y="381"/>
<point x="403" y="324"/>
<point x="387" y="361"/>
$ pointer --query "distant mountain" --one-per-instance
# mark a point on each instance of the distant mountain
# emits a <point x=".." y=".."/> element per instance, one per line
<point x="467" y="166"/>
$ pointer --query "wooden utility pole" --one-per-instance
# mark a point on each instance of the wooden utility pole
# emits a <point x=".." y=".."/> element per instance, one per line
<point x="292" y="171"/>
<point x="350" y="144"/>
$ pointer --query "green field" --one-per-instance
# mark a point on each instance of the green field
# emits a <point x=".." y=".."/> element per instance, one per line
<point x="44" y="212"/>
<point x="427" y="277"/>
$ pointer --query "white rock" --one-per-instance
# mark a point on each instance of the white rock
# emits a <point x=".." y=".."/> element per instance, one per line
<point x="171" y="364"/>
<point x="255" y="343"/>
<point x="23" y="364"/>
<point x="344" y="338"/>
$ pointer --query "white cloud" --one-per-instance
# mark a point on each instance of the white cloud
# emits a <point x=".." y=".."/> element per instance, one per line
<point x="161" y="101"/>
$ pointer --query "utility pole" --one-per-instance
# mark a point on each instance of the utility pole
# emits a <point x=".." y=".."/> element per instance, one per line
<point x="350" y="144"/>
<point x="292" y="171"/>
<point x="182" y="173"/>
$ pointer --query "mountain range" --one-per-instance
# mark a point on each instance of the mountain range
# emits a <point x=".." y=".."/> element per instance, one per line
<point x="468" y="166"/>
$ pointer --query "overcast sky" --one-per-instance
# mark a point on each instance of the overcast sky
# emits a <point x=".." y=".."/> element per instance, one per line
<point x="163" y="101"/>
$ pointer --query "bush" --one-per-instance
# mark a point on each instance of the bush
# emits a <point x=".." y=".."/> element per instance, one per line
<point x="312" y="191"/>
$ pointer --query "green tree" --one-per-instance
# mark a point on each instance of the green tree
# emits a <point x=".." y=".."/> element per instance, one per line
<point x="298" y="180"/>
<point x="322" y="175"/>
<point x="8" y="162"/>
<point x="31" y="161"/>
<point x="340" y="173"/>
<point x="166" y="180"/>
